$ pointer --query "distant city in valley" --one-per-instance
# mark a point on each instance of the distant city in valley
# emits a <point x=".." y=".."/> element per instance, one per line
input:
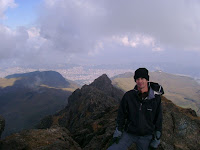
<point x="85" y="74"/>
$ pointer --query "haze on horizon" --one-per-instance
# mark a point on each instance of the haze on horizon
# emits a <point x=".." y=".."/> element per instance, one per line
<point x="99" y="32"/>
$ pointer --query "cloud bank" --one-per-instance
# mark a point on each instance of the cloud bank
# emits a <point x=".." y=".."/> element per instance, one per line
<point x="89" y="30"/>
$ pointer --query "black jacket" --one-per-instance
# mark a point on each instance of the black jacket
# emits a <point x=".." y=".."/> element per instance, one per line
<point x="141" y="117"/>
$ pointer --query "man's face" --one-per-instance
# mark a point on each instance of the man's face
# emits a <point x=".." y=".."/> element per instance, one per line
<point x="141" y="83"/>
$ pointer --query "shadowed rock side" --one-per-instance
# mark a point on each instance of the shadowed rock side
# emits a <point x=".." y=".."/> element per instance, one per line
<point x="90" y="118"/>
<point x="2" y="125"/>
<point x="55" y="138"/>
<point x="103" y="83"/>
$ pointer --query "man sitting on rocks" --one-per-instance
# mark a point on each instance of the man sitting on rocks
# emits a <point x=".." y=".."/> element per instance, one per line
<point x="139" y="117"/>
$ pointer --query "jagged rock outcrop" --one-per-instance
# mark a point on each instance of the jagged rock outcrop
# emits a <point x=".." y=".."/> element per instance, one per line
<point x="2" y="125"/>
<point x="88" y="112"/>
<point x="55" y="138"/>
<point x="103" y="83"/>
<point x="90" y="118"/>
<point x="181" y="127"/>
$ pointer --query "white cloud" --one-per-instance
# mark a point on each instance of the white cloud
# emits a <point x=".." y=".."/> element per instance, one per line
<point x="125" y="41"/>
<point x="35" y="40"/>
<point x="4" y="5"/>
<point x="137" y="40"/>
<point x="33" y="32"/>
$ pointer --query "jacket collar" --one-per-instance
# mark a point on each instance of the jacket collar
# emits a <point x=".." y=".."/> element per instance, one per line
<point x="154" y="89"/>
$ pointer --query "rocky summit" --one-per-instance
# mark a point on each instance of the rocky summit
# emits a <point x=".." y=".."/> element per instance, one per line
<point x="88" y="111"/>
<point x="89" y="121"/>
<point x="103" y="83"/>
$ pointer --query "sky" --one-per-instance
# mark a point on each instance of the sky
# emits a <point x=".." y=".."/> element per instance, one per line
<point x="99" y="32"/>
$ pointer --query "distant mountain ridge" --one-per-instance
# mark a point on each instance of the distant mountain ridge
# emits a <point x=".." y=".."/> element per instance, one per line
<point x="32" y="96"/>
<point x="50" y="78"/>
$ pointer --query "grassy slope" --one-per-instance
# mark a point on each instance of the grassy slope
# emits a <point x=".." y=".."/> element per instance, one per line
<point x="7" y="82"/>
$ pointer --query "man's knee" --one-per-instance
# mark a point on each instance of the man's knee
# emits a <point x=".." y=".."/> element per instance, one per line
<point x="125" y="141"/>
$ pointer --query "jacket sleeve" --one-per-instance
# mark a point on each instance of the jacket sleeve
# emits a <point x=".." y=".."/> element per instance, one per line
<point x="122" y="113"/>
<point x="159" y="116"/>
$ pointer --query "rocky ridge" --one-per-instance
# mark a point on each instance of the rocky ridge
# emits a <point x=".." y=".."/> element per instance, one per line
<point x="88" y="112"/>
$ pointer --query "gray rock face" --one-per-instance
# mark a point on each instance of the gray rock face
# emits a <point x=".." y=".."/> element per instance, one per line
<point x="181" y="127"/>
<point x="85" y="116"/>
<point x="2" y="125"/>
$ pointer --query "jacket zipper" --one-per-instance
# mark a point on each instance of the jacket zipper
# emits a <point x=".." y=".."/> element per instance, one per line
<point x="141" y="118"/>
<point x="140" y="106"/>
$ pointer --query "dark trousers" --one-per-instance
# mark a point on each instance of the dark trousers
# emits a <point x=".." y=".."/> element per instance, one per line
<point x="127" y="139"/>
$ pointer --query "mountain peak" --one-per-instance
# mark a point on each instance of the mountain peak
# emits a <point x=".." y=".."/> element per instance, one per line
<point x="103" y="80"/>
<point x="103" y="83"/>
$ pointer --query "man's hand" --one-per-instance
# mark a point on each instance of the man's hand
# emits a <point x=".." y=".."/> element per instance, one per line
<point x="115" y="140"/>
<point x="156" y="140"/>
<point x="116" y="136"/>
